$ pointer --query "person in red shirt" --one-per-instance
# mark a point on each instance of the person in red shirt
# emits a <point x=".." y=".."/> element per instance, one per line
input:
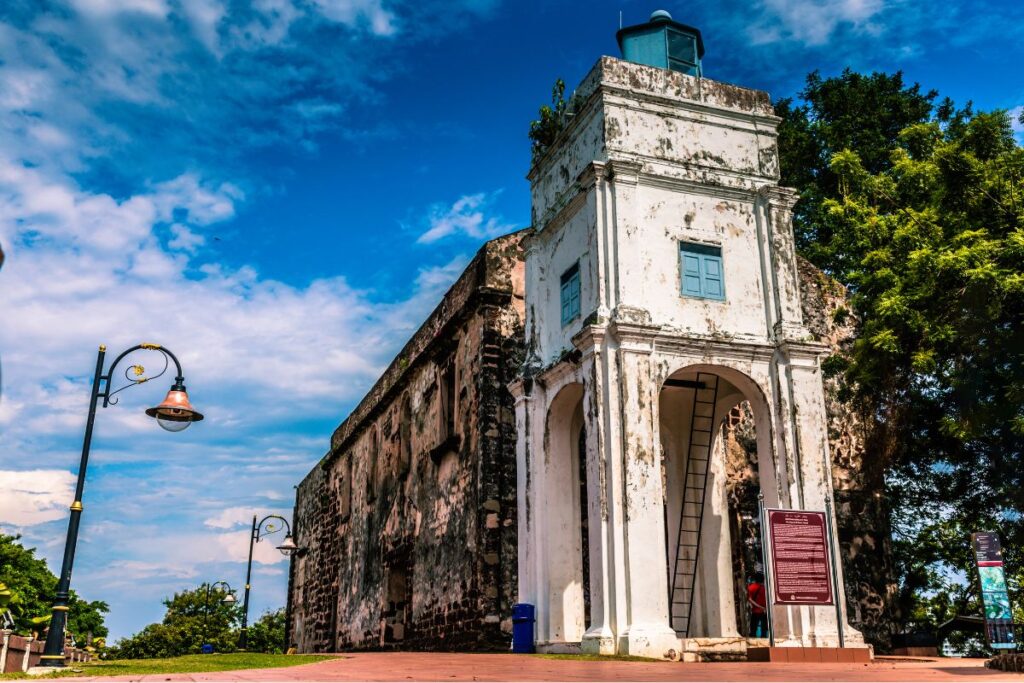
<point x="757" y="602"/>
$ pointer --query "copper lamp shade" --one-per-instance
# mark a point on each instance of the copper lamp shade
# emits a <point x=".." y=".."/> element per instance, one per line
<point x="176" y="412"/>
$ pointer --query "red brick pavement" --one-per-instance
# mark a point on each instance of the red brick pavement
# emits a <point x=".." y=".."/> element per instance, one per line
<point x="414" y="666"/>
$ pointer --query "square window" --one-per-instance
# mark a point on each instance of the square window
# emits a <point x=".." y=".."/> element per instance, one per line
<point x="702" y="274"/>
<point x="682" y="53"/>
<point x="681" y="47"/>
<point x="570" y="293"/>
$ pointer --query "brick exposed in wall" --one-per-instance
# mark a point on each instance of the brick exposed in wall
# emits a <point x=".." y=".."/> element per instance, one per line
<point x="410" y="518"/>
<point x="412" y="530"/>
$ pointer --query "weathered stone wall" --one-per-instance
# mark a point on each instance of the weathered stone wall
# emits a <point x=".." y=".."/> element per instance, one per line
<point x="410" y="518"/>
<point x="863" y="525"/>
<point x="857" y="477"/>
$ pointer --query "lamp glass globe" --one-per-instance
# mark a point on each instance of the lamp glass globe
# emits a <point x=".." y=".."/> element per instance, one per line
<point x="172" y="425"/>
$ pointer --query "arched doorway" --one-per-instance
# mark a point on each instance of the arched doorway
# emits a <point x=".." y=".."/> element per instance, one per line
<point x="566" y="520"/>
<point x="706" y="583"/>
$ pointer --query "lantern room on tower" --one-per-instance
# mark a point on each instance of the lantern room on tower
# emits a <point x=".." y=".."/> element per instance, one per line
<point x="664" y="43"/>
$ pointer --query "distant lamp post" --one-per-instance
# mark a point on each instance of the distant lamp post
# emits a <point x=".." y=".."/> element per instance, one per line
<point x="268" y="525"/>
<point x="174" y="414"/>
<point x="229" y="599"/>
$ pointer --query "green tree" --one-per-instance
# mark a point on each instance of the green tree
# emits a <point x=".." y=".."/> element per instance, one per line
<point x="193" y="617"/>
<point x="852" y="111"/>
<point x="919" y="210"/>
<point x="32" y="587"/>
<point x="267" y="634"/>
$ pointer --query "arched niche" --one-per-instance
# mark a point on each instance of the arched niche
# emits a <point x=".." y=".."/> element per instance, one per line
<point x="563" y="518"/>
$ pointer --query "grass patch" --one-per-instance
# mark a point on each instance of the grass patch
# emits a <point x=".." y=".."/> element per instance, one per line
<point x="177" y="665"/>
<point x="598" y="658"/>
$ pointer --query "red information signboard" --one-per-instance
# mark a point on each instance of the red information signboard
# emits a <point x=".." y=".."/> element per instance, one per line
<point x="800" y="558"/>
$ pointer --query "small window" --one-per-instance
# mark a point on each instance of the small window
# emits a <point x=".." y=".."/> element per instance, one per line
<point x="702" y="271"/>
<point x="682" y="52"/>
<point x="571" y="293"/>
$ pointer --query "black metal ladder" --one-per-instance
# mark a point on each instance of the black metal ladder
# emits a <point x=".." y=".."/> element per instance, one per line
<point x="691" y="510"/>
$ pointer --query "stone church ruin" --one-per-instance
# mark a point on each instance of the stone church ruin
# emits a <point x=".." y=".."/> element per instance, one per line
<point x="585" y="421"/>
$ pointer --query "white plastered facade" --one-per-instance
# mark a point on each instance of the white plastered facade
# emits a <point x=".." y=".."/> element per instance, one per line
<point x="653" y="158"/>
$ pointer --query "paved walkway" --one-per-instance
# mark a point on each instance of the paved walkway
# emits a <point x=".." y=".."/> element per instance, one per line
<point x="415" y="666"/>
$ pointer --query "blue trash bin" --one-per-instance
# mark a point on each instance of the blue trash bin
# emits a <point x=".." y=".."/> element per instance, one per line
<point x="522" y="628"/>
<point x="207" y="649"/>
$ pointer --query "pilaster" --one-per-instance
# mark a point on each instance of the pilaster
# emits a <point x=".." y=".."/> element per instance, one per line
<point x="600" y="635"/>
<point x="776" y="206"/>
<point x="648" y="633"/>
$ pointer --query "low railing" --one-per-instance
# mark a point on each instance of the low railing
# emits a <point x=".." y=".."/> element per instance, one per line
<point x="20" y="653"/>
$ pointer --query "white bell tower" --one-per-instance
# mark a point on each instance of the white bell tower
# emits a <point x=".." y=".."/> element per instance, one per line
<point x="661" y="291"/>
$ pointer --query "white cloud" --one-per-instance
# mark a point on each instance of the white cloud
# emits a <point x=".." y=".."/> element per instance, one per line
<point x="31" y="497"/>
<point x="380" y="20"/>
<point x="95" y="88"/>
<point x="1015" y="123"/>
<point x="241" y="517"/>
<point x="811" y="22"/>
<point x="465" y="217"/>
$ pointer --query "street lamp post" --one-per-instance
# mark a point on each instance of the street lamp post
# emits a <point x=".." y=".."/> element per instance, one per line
<point x="267" y="525"/>
<point x="228" y="599"/>
<point x="174" y="415"/>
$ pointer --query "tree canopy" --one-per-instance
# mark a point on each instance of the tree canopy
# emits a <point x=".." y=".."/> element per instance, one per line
<point x="192" y="620"/>
<point x="32" y="586"/>
<point x="267" y="634"/>
<point x="193" y="617"/>
<point x="918" y="208"/>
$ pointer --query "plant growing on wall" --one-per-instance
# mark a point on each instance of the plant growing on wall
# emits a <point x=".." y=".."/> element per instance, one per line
<point x="545" y="129"/>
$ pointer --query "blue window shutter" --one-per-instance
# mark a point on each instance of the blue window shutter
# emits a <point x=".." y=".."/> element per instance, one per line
<point x="691" y="275"/>
<point x="574" y="295"/>
<point x="702" y="274"/>
<point x="570" y="293"/>
<point x="565" y="303"/>
<point x="712" y="281"/>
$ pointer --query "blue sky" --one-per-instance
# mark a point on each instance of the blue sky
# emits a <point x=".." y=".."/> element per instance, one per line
<point x="279" y="191"/>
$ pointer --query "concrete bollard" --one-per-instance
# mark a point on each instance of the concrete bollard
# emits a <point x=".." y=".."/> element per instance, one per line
<point x="28" y="653"/>
<point x="3" y="649"/>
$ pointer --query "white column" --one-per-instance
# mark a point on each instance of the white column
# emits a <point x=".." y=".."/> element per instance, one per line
<point x="3" y="649"/>
<point x="600" y="635"/>
<point x="815" y="478"/>
<point x="28" y="652"/>
<point x="525" y="499"/>
<point x="648" y="632"/>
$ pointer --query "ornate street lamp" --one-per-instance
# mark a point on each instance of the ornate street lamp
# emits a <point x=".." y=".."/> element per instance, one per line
<point x="174" y="414"/>
<point x="229" y="599"/>
<point x="268" y="525"/>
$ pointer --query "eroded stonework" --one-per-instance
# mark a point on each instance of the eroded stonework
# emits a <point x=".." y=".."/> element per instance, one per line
<point x="410" y="518"/>
<point x="522" y="450"/>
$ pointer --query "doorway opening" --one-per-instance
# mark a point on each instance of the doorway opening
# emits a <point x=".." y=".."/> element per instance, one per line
<point x="710" y="449"/>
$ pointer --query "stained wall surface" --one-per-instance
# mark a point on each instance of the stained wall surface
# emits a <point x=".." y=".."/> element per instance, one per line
<point x="413" y="519"/>
<point x="410" y="518"/>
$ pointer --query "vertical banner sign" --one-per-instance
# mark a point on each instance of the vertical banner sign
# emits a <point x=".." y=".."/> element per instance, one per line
<point x="988" y="553"/>
<point x="800" y="556"/>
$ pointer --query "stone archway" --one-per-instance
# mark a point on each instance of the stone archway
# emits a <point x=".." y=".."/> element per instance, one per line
<point x="693" y="403"/>
<point x="565" y="518"/>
